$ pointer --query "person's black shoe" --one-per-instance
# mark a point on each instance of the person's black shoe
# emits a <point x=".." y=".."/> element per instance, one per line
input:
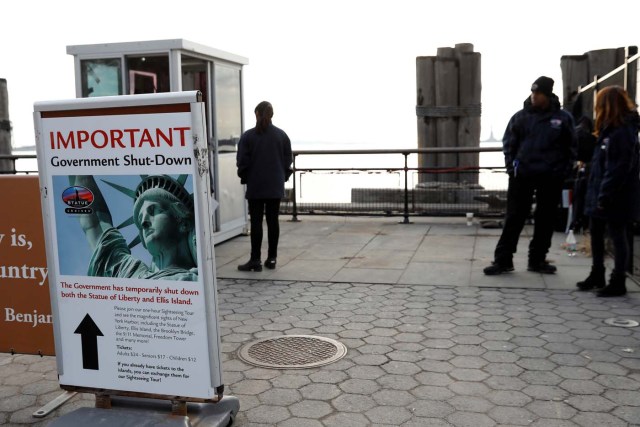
<point x="270" y="263"/>
<point x="496" y="268"/>
<point x="616" y="286"/>
<point x="608" y="291"/>
<point x="595" y="280"/>
<point x="542" y="267"/>
<point x="252" y="265"/>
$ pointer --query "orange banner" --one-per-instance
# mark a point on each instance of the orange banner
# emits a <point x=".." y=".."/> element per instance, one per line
<point x="25" y="318"/>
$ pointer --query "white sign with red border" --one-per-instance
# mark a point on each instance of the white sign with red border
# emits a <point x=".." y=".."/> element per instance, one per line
<point x="125" y="318"/>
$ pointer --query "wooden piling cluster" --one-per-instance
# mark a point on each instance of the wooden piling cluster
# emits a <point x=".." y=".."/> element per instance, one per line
<point x="580" y="70"/>
<point x="448" y="108"/>
<point x="5" y="127"/>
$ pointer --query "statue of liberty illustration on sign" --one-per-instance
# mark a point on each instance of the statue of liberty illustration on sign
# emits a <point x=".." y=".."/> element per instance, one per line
<point x="159" y="206"/>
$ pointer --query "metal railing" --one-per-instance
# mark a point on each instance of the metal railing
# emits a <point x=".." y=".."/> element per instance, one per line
<point x="431" y="196"/>
<point x="9" y="164"/>
<point x="453" y="190"/>
<point x="391" y="184"/>
<point x="598" y="81"/>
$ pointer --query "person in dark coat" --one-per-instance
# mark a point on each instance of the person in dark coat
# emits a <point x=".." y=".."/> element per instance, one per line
<point x="539" y="150"/>
<point x="586" y="146"/>
<point x="264" y="164"/>
<point x="613" y="190"/>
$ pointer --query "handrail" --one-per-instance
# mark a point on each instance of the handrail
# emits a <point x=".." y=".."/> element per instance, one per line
<point x="597" y="79"/>
<point x="398" y="168"/>
<point x="403" y="150"/>
<point x="17" y="156"/>
<point x="13" y="158"/>
<point x="406" y="169"/>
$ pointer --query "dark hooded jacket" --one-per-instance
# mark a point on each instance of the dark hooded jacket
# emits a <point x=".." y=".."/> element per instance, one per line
<point x="540" y="143"/>
<point x="613" y="191"/>
<point x="264" y="162"/>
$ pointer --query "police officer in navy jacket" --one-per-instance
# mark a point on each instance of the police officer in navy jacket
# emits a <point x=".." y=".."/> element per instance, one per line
<point x="539" y="148"/>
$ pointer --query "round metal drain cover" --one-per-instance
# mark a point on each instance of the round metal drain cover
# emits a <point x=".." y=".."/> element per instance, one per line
<point x="623" y="323"/>
<point x="292" y="352"/>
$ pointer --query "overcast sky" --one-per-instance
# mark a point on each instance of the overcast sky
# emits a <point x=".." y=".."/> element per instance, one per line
<point x="336" y="71"/>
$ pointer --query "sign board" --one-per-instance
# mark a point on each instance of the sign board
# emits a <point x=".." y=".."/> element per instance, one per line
<point x="26" y="321"/>
<point x="127" y="211"/>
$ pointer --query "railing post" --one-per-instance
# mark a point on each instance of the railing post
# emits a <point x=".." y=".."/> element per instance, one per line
<point x="596" y="81"/>
<point x="630" y="239"/>
<point x="406" y="189"/>
<point x="294" y="217"/>
<point x="625" y="72"/>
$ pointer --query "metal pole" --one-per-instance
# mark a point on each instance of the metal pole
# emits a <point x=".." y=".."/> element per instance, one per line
<point x="630" y="239"/>
<point x="625" y="73"/>
<point x="595" y="94"/>
<point x="294" y="217"/>
<point x="406" y="189"/>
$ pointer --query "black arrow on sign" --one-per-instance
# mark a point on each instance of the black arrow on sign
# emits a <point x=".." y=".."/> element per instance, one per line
<point x="89" y="333"/>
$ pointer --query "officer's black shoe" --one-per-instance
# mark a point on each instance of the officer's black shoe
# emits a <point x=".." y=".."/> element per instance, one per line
<point x="497" y="268"/>
<point x="542" y="267"/>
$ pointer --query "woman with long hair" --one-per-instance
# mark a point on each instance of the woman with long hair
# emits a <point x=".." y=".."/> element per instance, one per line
<point x="264" y="160"/>
<point x="613" y="191"/>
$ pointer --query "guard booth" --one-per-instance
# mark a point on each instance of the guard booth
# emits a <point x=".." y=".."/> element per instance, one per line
<point x="172" y="66"/>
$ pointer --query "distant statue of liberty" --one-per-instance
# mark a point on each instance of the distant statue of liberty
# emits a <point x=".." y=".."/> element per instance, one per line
<point x="164" y="215"/>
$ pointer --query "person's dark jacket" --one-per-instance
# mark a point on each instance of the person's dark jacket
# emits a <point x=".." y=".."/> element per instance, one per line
<point x="263" y="162"/>
<point x="613" y="191"/>
<point x="540" y="143"/>
<point x="586" y="140"/>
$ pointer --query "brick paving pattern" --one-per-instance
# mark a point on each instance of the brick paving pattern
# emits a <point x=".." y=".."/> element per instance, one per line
<point x="523" y="352"/>
<point x="417" y="356"/>
<point x="435" y="356"/>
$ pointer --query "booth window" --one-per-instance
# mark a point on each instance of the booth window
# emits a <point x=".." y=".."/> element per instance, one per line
<point x="101" y="77"/>
<point x="148" y="74"/>
<point x="195" y="77"/>
<point x="228" y="107"/>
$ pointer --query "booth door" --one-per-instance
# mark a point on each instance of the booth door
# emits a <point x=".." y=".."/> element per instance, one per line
<point x="232" y="212"/>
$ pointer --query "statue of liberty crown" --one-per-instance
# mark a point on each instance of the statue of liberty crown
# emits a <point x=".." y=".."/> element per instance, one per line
<point x="166" y="183"/>
<point x="148" y="182"/>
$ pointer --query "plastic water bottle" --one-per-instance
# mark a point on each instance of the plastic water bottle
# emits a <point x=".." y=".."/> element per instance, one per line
<point x="570" y="244"/>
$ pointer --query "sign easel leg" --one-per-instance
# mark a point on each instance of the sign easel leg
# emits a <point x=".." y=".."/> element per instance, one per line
<point x="54" y="404"/>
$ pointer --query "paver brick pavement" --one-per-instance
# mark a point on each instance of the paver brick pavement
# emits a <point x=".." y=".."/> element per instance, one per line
<point x="417" y="355"/>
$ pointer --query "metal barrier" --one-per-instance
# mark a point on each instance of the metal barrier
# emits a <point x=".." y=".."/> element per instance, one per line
<point x="391" y="185"/>
<point x="9" y="164"/>
<point x="411" y="196"/>
<point x="623" y="69"/>
<point x="384" y="182"/>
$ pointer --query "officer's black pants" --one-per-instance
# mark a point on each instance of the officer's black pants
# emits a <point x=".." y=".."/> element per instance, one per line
<point x="548" y="191"/>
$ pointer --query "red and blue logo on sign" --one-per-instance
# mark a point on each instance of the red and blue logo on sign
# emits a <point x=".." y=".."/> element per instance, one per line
<point x="77" y="197"/>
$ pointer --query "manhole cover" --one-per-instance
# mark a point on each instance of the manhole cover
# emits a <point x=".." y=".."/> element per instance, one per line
<point x="292" y="352"/>
<point x="624" y="323"/>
